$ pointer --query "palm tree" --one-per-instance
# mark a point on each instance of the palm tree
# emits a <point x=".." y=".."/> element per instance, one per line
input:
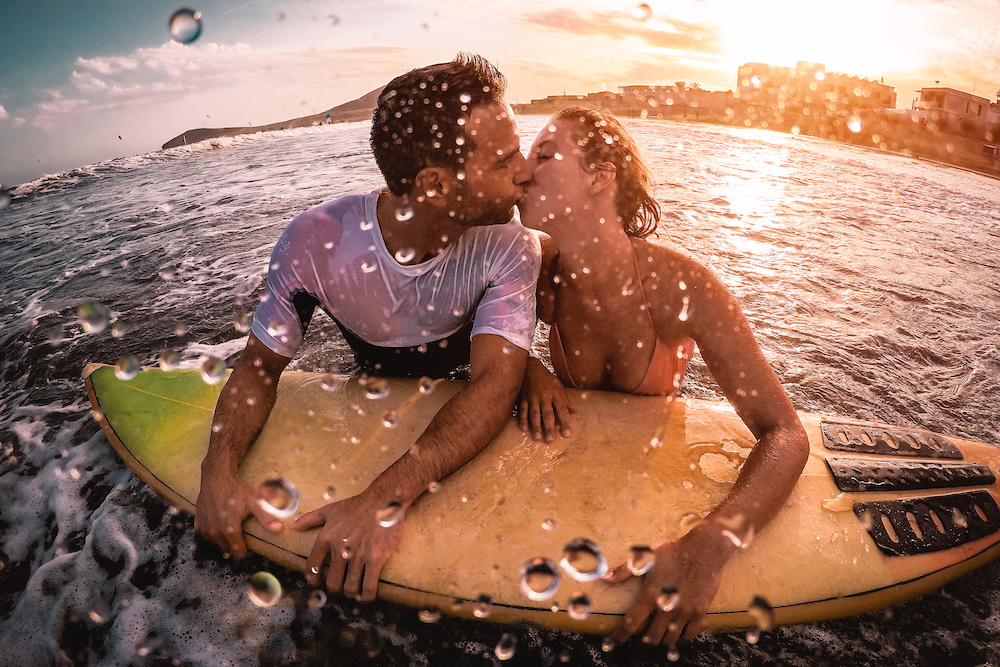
<point x="694" y="86"/>
<point x="680" y="86"/>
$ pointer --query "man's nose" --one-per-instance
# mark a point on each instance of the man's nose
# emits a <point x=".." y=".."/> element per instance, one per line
<point x="522" y="170"/>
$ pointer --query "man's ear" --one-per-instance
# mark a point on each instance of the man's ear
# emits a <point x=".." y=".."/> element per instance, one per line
<point x="604" y="176"/>
<point x="436" y="185"/>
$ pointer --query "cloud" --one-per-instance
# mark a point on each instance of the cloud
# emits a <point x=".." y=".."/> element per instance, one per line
<point x="660" y="32"/>
<point x="3" y="113"/>
<point x="151" y="77"/>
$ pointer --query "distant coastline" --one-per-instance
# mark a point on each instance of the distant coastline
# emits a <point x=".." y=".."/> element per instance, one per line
<point x="882" y="130"/>
<point x="359" y="109"/>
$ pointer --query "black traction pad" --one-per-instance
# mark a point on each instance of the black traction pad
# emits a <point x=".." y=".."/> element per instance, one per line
<point x="860" y="475"/>
<point x="924" y="525"/>
<point x="887" y="441"/>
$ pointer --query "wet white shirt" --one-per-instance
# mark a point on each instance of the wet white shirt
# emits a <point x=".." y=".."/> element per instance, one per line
<point x="334" y="255"/>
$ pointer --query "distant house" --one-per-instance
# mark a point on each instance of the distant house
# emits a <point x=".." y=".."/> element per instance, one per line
<point x="809" y="88"/>
<point x="952" y="105"/>
<point x="654" y="98"/>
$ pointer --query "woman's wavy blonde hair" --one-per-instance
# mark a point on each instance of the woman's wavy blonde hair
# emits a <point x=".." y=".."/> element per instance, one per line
<point x="603" y="138"/>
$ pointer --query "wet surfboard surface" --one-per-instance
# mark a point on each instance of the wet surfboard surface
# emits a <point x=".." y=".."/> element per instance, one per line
<point x="880" y="514"/>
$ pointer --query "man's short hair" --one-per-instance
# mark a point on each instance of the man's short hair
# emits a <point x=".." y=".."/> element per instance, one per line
<point x="420" y="120"/>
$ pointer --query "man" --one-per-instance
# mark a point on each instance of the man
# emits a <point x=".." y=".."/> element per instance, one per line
<point x="409" y="275"/>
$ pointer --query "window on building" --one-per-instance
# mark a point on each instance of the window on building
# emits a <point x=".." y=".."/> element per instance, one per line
<point x="968" y="105"/>
<point x="980" y="112"/>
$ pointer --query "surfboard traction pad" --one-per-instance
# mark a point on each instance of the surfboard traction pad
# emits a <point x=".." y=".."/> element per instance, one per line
<point x="917" y="525"/>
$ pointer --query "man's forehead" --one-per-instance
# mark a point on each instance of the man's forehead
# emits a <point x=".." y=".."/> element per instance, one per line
<point x="493" y="125"/>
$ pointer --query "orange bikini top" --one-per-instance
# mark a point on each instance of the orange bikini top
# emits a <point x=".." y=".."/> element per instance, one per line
<point x="666" y="368"/>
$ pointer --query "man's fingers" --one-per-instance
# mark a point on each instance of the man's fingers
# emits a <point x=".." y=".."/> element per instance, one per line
<point x="563" y="412"/>
<point x="233" y="541"/>
<point x="268" y="520"/>
<point x="370" y="583"/>
<point x="619" y="575"/>
<point x="355" y="571"/>
<point x="522" y="416"/>
<point x="335" y="576"/>
<point x="548" y="421"/>
<point x="308" y="520"/>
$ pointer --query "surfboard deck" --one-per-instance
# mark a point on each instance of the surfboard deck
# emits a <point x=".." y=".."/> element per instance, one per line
<point x="880" y="514"/>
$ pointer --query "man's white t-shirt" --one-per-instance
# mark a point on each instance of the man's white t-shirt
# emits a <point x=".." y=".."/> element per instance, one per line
<point x="334" y="256"/>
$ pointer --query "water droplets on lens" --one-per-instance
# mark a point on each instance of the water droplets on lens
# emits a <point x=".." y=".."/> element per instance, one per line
<point x="404" y="213"/>
<point x="483" y="606"/>
<point x="185" y="25"/>
<point x="429" y="614"/>
<point x="506" y="646"/>
<point x="390" y="515"/>
<point x="127" y="368"/>
<point x="425" y="385"/>
<point x="93" y="316"/>
<point x="317" y="599"/>
<point x="264" y="589"/>
<point x="539" y="579"/>
<point x="579" y="606"/>
<point x="279" y="497"/>
<point x="169" y="360"/>
<point x="582" y="559"/>
<point x="642" y="12"/>
<point x="213" y="370"/>
<point x="668" y="598"/>
<point x="405" y="255"/>
<point x="242" y="322"/>
<point x="376" y="389"/>
<point x="641" y="560"/>
<point x="762" y="613"/>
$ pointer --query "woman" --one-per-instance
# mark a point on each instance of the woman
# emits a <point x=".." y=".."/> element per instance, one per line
<point x="625" y="314"/>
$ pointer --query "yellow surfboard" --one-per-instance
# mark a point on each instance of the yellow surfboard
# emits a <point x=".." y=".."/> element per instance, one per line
<point x="880" y="514"/>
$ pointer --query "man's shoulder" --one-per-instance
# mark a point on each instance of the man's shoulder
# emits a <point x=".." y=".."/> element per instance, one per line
<point x="335" y="209"/>
<point x="510" y="235"/>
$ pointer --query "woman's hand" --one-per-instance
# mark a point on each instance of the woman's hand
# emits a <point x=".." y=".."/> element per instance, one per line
<point x="544" y="409"/>
<point x="678" y="590"/>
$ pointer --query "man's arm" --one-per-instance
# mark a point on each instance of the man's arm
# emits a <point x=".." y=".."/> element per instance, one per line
<point x="351" y="537"/>
<point x="225" y="499"/>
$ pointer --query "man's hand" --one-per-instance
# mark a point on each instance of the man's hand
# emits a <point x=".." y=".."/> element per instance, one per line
<point x="677" y="591"/>
<point x="544" y="409"/>
<point x="357" y="535"/>
<point x="222" y="507"/>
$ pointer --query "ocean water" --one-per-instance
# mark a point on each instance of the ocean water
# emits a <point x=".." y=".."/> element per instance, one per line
<point x="872" y="281"/>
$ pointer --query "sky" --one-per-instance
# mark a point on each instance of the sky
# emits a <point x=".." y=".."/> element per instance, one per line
<point x="86" y="81"/>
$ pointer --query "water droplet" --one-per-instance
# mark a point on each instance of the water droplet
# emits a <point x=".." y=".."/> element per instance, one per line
<point x="641" y="559"/>
<point x="434" y="487"/>
<point x="333" y="19"/>
<point x="242" y="322"/>
<point x="539" y="578"/>
<point x="550" y="524"/>
<point x="366" y="225"/>
<point x="579" y="606"/>
<point x="213" y="370"/>
<point x="465" y="98"/>
<point x="264" y="589"/>
<point x="390" y="419"/>
<point x="329" y="494"/>
<point x="277" y="329"/>
<point x="753" y="635"/>
<point x="169" y="360"/>
<point x="684" y="309"/>
<point x="376" y="389"/>
<point x="100" y="612"/>
<point x="854" y="123"/>
<point x="151" y="643"/>
<point x="429" y="614"/>
<point x="119" y="330"/>
<point x="583" y="560"/>
<point x="668" y="598"/>
<point x="93" y="316"/>
<point x="404" y="213"/>
<point x="279" y="497"/>
<point x="608" y="645"/>
<point x="185" y="25"/>
<point x="506" y="646"/>
<point x="738" y="530"/>
<point x="630" y="287"/>
<point x="657" y="440"/>
<point x="762" y="613"/>
<point x="425" y="385"/>
<point x="317" y="599"/>
<point x="127" y="368"/>
<point x="673" y="655"/>
<point x="404" y="255"/>
<point x="483" y="606"/>
<point x="642" y="12"/>
<point x="390" y="515"/>
<point x="332" y="383"/>
<point x="367" y="267"/>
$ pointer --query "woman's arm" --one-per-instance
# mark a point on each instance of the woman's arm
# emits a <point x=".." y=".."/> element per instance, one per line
<point x="693" y="564"/>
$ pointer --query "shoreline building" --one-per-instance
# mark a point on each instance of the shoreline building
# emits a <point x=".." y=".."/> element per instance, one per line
<point x="809" y="89"/>
<point x="954" y="106"/>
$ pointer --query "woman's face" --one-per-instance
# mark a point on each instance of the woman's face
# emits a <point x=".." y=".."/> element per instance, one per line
<point x="558" y="183"/>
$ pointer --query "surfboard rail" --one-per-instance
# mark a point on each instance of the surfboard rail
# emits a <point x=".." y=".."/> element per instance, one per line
<point x="880" y="514"/>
